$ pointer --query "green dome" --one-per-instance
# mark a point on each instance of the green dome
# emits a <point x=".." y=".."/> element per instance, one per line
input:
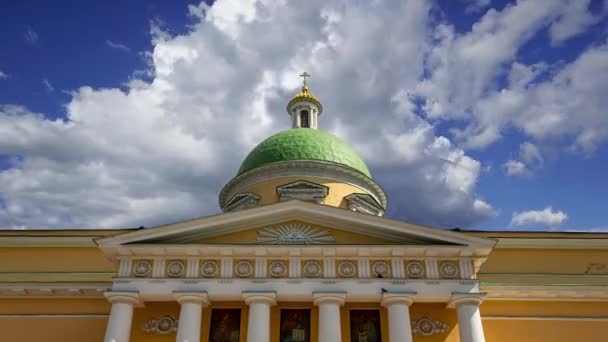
<point x="304" y="144"/>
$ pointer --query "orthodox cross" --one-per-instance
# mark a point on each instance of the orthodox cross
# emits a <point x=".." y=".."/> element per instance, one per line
<point x="304" y="76"/>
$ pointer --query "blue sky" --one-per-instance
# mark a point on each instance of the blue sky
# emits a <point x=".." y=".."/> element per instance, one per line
<point x="473" y="114"/>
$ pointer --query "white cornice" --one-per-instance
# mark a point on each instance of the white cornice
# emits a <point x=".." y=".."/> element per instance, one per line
<point x="545" y="293"/>
<point x="545" y="318"/>
<point x="54" y="290"/>
<point x="551" y="243"/>
<point x="47" y="241"/>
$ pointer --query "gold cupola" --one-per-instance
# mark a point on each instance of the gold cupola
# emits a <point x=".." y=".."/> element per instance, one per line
<point x="304" y="107"/>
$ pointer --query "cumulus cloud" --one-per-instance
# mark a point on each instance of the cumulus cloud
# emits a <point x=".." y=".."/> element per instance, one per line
<point x="160" y="151"/>
<point x="547" y="217"/>
<point x="117" y="46"/>
<point x="464" y="72"/>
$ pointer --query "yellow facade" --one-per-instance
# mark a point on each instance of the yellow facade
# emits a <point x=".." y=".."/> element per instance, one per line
<point x="565" y="315"/>
<point x="335" y="197"/>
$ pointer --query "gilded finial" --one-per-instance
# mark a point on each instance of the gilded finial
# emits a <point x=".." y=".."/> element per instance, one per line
<point x="304" y="94"/>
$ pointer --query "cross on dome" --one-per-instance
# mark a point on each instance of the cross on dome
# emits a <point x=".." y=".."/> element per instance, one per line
<point x="304" y="76"/>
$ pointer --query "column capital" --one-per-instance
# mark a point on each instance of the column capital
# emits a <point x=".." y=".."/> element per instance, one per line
<point x="260" y="297"/>
<point x="329" y="297"/>
<point x="389" y="298"/>
<point x="191" y="297"/>
<point x="124" y="297"/>
<point x="466" y="298"/>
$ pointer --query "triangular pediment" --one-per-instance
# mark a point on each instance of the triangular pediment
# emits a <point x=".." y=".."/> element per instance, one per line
<point x="296" y="232"/>
<point x="318" y="224"/>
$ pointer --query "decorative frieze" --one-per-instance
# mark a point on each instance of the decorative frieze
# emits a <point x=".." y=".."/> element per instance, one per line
<point x="427" y="326"/>
<point x="163" y="325"/>
<point x="278" y="269"/>
<point x="414" y="269"/>
<point x="295" y="234"/>
<point x="261" y="267"/>
<point x="448" y="269"/>
<point x="346" y="269"/>
<point x="244" y="269"/>
<point x="175" y="269"/>
<point x="142" y="268"/>
<point x="210" y="269"/>
<point x="312" y="268"/>
<point x="381" y="269"/>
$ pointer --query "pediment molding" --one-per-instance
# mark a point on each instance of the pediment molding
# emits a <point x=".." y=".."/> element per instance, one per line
<point x="177" y="236"/>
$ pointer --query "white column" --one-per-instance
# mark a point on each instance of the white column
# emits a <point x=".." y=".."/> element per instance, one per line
<point x="469" y="319"/>
<point x="329" y="315"/>
<point x="190" y="315"/>
<point x="259" y="303"/>
<point x="398" y="307"/>
<point x="121" y="315"/>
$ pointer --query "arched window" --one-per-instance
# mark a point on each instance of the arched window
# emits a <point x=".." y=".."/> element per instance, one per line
<point x="304" y="119"/>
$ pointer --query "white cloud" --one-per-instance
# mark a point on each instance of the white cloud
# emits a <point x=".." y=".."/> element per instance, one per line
<point x="546" y="217"/>
<point x="3" y="75"/>
<point x="515" y="168"/>
<point x="530" y="161"/>
<point x="31" y="37"/>
<point x="464" y="72"/>
<point x="47" y="85"/>
<point x="160" y="151"/>
<point x="575" y="18"/>
<point x="117" y="46"/>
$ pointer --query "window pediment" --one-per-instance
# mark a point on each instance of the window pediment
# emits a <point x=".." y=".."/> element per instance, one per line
<point x="304" y="191"/>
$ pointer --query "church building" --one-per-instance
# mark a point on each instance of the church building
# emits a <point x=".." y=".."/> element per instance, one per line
<point x="302" y="252"/>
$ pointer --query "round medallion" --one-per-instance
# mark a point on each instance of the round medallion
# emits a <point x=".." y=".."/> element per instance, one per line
<point x="175" y="269"/>
<point x="426" y="326"/>
<point x="278" y="269"/>
<point x="243" y="269"/>
<point x="347" y="269"/>
<point x="165" y="325"/>
<point x="448" y="269"/>
<point x="312" y="269"/>
<point x="142" y="268"/>
<point x="414" y="269"/>
<point x="209" y="269"/>
<point x="381" y="269"/>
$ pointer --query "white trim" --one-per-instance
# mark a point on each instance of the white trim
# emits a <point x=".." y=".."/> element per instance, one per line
<point x="261" y="265"/>
<point x="125" y="267"/>
<point x="192" y="268"/>
<point x="295" y="267"/>
<point x="431" y="268"/>
<point x="54" y="290"/>
<point x="552" y="243"/>
<point x="544" y="318"/>
<point x="48" y="241"/>
<point x="226" y="268"/>
<point x="546" y="293"/>
<point x="398" y="268"/>
<point x="329" y="267"/>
